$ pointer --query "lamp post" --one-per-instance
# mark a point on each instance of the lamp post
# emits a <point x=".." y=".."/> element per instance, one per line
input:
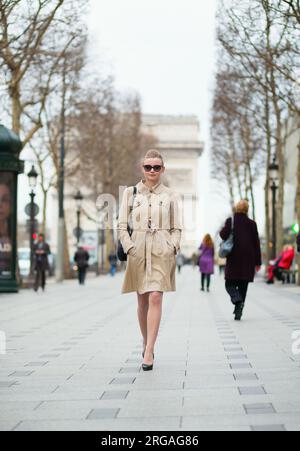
<point x="78" y="199"/>
<point x="32" y="178"/>
<point x="273" y="172"/>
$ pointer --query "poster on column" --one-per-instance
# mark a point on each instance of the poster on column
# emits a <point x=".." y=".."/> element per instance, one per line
<point x="6" y="211"/>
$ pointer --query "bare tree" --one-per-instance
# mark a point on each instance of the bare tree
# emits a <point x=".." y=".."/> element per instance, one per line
<point x="236" y="141"/>
<point x="34" y="38"/>
<point x="260" y="41"/>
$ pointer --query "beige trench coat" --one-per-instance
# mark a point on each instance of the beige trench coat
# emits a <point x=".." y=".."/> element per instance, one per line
<point x="156" y="225"/>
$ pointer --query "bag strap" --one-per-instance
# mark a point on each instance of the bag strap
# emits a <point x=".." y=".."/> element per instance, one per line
<point x="129" y="224"/>
<point x="232" y="224"/>
<point x="133" y="198"/>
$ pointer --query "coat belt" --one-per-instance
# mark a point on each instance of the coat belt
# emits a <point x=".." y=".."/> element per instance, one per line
<point x="149" y="245"/>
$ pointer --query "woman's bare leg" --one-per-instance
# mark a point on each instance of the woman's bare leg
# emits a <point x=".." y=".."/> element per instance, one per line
<point x="143" y="307"/>
<point x="153" y="323"/>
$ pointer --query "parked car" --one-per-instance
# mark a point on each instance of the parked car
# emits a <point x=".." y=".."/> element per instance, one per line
<point x="24" y="261"/>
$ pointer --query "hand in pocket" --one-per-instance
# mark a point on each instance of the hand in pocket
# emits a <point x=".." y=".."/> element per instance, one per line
<point x="132" y="252"/>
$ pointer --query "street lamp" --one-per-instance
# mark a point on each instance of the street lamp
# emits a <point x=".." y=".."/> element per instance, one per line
<point x="32" y="179"/>
<point x="273" y="173"/>
<point x="78" y="199"/>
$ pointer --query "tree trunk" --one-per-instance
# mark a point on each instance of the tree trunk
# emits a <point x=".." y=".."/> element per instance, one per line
<point x="251" y="189"/>
<point x="236" y="166"/>
<point x="44" y="217"/>
<point x="67" y="269"/>
<point x="15" y="96"/>
<point x="267" y="184"/>
<point x="281" y="163"/>
<point x="230" y="184"/>
<point x="280" y="199"/>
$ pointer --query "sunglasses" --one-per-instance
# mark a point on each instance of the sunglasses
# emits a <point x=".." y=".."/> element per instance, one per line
<point x="156" y="168"/>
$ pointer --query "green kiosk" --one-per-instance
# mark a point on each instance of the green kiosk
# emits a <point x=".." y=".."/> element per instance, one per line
<point x="10" y="167"/>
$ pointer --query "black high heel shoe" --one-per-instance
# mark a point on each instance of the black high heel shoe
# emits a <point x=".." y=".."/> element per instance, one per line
<point x="147" y="367"/>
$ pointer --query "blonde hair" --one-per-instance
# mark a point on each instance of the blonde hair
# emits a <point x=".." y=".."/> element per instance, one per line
<point x="242" y="207"/>
<point x="153" y="153"/>
<point x="207" y="241"/>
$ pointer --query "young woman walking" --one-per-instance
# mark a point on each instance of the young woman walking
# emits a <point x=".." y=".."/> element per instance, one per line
<point x="206" y="261"/>
<point x="151" y="248"/>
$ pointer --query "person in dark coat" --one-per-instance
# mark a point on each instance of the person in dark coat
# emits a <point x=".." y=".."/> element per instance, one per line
<point x="81" y="258"/>
<point x="113" y="261"/>
<point x="206" y="261"/>
<point x="41" y="251"/>
<point x="245" y="258"/>
<point x="298" y="242"/>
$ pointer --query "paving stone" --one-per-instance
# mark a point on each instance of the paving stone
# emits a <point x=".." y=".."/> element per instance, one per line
<point x="252" y="390"/>
<point x="21" y="373"/>
<point x="227" y="337"/>
<point x="7" y="384"/>
<point x="114" y="395"/>
<point x="246" y="377"/>
<point x="240" y="366"/>
<point x="233" y="349"/>
<point x="259" y="409"/>
<point x="133" y="361"/>
<point x="269" y="428"/>
<point x="49" y="356"/>
<point x="129" y="370"/>
<point x="62" y="349"/>
<point x="226" y="343"/>
<point x="100" y="414"/>
<point x="36" y="364"/>
<point x="237" y="357"/>
<point x="123" y="381"/>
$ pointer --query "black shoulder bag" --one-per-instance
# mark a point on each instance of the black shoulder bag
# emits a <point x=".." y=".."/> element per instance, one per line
<point x="122" y="256"/>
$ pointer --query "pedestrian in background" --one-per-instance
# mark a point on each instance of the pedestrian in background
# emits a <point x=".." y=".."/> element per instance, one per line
<point x="41" y="250"/>
<point x="283" y="263"/>
<point x="180" y="261"/>
<point x="206" y="261"/>
<point x="152" y="247"/>
<point x="298" y="242"/>
<point x="195" y="260"/>
<point x="245" y="258"/>
<point x="221" y="262"/>
<point x="113" y="260"/>
<point x="81" y="258"/>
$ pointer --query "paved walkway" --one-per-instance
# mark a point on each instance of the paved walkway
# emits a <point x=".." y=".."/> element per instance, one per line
<point x="74" y="354"/>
